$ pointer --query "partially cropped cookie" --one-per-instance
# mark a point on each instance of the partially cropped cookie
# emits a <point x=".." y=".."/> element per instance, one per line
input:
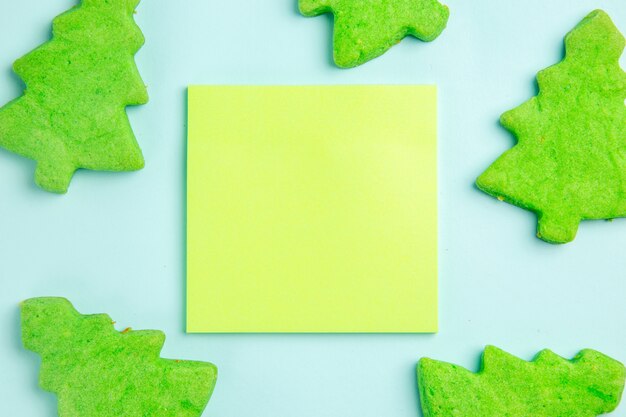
<point x="570" y="160"/>
<point x="589" y="385"/>
<point x="73" y="112"/>
<point x="366" y="29"/>
<point x="97" y="371"/>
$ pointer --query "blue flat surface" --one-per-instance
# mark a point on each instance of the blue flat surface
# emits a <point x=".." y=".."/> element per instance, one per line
<point x="115" y="243"/>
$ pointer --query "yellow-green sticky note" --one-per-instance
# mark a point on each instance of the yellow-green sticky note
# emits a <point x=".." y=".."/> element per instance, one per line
<point x="312" y="209"/>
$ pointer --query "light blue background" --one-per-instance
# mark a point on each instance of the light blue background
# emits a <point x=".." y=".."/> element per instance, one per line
<point x="115" y="243"/>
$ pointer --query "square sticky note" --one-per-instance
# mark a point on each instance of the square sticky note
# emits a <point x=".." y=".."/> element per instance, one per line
<point x="312" y="209"/>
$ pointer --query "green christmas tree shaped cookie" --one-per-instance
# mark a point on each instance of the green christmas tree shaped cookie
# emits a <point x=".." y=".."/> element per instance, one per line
<point x="589" y="385"/>
<point x="570" y="160"/>
<point x="99" y="372"/>
<point x="366" y="29"/>
<point x="73" y="112"/>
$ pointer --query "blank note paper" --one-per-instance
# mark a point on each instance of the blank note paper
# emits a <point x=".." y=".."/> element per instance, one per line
<point x="312" y="209"/>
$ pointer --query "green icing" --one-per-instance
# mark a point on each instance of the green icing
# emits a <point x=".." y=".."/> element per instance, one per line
<point x="589" y="385"/>
<point x="366" y="29"/>
<point x="97" y="371"/>
<point x="570" y="160"/>
<point x="73" y="112"/>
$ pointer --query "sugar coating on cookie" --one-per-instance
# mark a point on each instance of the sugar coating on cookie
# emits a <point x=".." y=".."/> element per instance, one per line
<point x="97" y="371"/>
<point x="73" y="112"/>
<point x="366" y="29"/>
<point x="589" y="385"/>
<point x="569" y="163"/>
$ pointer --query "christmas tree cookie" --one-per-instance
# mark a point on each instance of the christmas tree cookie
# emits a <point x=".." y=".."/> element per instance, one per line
<point x="99" y="372"/>
<point x="589" y="385"/>
<point x="366" y="29"/>
<point x="570" y="160"/>
<point x="73" y="112"/>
